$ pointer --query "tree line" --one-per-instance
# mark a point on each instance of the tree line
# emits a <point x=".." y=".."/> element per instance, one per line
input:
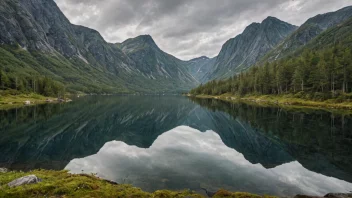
<point x="327" y="71"/>
<point x="40" y="85"/>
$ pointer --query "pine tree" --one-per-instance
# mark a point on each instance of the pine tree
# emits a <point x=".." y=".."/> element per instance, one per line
<point x="4" y="80"/>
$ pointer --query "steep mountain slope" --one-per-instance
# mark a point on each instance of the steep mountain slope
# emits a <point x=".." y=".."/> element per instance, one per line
<point x="155" y="64"/>
<point x="38" y="36"/>
<point x="246" y="49"/>
<point x="308" y="31"/>
<point x="199" y="67"/>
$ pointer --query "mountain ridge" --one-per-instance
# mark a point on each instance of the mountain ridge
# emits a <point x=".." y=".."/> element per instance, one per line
<point x="308" y="31"/>
<point x="153" y="62"/>
<point x="40" y="28"/>
<point x="247" y="48"/>
<point x="39" y="37"/>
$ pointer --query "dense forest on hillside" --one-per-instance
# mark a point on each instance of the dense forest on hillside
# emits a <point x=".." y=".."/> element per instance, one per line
<point x="322" y="74"/>
<point x="17" y="77"/>
<point x="12" y="84"/>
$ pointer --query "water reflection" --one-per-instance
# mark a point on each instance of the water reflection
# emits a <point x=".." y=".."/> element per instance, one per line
<point x="186" y="158"/>
<point x="319" y="140"/>
<point x="50" y="136"/>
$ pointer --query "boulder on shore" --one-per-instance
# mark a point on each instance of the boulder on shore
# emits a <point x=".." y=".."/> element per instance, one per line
<point x="3" y="170"/>
<point x="30" y="179"/>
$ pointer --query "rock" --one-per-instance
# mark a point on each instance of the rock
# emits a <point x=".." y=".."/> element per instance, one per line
<point x="209" y="193"/>
<point x="3" y="170"/>
<point x="30" y="179"/>
<point x="339" y="195"/>
<point x="27" y="102"/>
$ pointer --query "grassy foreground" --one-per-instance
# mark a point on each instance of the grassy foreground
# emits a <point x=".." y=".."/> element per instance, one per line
<point x="284" y="100"/>
<point x="63" y="184"/>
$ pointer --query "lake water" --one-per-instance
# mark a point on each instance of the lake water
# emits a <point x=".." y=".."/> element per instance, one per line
<point x="173" y="142"/>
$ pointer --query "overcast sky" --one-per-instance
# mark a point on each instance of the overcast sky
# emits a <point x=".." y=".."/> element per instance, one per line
<point x="187" y="28"/>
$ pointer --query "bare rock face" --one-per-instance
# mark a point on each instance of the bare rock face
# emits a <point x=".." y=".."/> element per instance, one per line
<point x="40" y="28"/>
<point x="308" y="31"/>
<point x="30" y="179"/>
<point x="241" y="52"/>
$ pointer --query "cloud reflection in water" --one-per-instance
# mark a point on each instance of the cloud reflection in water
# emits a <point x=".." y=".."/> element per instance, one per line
<point x="185" y="158"/>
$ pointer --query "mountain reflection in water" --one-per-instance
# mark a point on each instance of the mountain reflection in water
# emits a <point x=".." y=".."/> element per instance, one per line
<point x="50" y="136"/>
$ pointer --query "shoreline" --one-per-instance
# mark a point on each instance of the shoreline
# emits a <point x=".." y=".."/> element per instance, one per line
<point x="283" y="101"/>
<point x="63" y="184"/>
<point x="22" y="100"/>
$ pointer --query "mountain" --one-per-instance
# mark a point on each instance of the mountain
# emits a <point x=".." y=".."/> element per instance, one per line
<point x="155" y="64"/>
<point x="37" y="36"/>
<point x="238" y="53"/>
<point x="308" y="31"/>
<point x="340" y="34"/>
<point x="199" y="67"/>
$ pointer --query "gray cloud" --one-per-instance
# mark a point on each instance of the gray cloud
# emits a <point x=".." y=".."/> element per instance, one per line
<point x="187" y="28"/>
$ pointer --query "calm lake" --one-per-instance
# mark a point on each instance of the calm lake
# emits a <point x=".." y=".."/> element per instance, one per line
<point x="173" y="142"/>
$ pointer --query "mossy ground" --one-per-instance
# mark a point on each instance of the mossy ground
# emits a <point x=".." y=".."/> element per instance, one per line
<point x="287" y="101"/>
<point x="62" y="184"/>
<point x="8" y="101"/>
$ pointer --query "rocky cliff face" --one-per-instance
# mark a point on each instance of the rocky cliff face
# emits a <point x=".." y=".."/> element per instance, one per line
<point x="308" y="31"/>
<point x="246" y="49"/>
<point x="153" y="63"/>
<point x="38" y="26"/>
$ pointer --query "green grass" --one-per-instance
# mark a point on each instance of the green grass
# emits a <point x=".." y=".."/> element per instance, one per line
<point x="288" y="101"/>
<point x="8" y="101"/>
<point x="63" y="184"/>
<point x="227" y="194"/>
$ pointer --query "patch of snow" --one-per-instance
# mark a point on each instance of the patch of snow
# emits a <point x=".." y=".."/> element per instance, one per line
<point x="82" y="58"/>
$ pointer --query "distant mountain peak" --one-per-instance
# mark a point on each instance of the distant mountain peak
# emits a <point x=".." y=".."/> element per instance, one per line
<point x="308" y="31"/>
<point x="273" y="21"/>
<point x="271" y="18"/>
<point x="146" y="39"/>
<point x="243" y="51"/>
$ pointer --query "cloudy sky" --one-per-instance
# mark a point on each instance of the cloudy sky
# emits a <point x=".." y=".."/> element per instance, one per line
<point x="187" y="28"/>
